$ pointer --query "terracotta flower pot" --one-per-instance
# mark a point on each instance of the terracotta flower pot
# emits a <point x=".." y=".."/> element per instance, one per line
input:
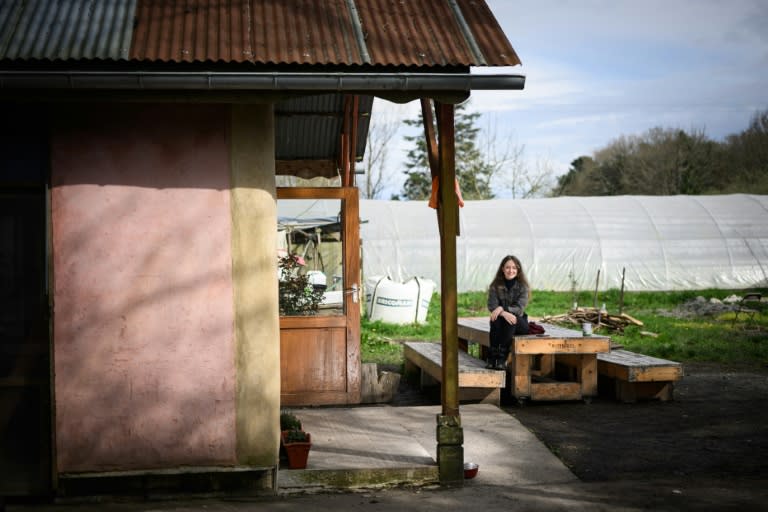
<point x="298" y="452"/>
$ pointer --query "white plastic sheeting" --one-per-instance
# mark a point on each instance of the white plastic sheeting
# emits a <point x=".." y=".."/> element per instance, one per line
<point x="663" y="242"/>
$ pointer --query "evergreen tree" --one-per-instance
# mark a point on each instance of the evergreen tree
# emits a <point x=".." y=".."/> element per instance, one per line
<point x="472" y="170"/>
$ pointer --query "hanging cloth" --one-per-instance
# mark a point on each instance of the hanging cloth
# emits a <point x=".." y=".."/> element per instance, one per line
<point x="433" y="198"/>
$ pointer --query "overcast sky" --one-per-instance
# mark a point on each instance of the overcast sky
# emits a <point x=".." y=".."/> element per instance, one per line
<point x="598" y="69"/>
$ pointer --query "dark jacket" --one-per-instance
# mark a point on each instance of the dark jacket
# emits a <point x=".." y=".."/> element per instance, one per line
<point x="513" y="299"/>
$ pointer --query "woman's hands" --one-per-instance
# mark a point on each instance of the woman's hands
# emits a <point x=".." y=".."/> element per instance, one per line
<point x="506" y="315"/>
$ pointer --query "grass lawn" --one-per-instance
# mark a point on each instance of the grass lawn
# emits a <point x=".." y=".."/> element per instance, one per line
<point x="701" y="339"/>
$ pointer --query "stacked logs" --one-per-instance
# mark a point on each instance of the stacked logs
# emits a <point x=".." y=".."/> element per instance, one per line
<point x="600" y="320"/>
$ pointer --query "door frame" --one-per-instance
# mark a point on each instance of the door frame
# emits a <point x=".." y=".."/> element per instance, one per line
<point x="351" y="284"/>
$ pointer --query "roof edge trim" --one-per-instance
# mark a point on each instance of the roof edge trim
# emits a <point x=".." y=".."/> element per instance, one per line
<point x="258" y="81"/>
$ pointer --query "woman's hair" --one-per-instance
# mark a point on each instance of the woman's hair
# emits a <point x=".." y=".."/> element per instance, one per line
<point x="498" y="279"/>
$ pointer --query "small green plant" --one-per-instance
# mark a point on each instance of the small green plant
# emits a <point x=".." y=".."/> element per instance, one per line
<point x="289" y="421"/>
<point x="296" y="436"/>
<point x="296" y="295"/>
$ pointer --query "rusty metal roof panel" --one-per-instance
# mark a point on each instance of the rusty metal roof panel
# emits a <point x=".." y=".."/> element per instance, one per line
<point x="424" y="33"/>
<point x="329" y="32"/>
<point x="66" y="29"/>
<point x="413" y="33"/>
<point x="259" y="31"/>
<point x="487" y="32"/>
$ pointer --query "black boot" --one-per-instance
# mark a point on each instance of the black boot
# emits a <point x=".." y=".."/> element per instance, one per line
<point x="501" y="364"/>
<point x="493" y="358"/>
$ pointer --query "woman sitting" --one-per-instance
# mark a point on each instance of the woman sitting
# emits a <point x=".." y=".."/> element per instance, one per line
<point x="508" y="295"/>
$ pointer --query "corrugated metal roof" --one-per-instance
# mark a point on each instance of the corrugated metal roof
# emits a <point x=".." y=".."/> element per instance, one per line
<point x="488" y="34"/>
<point x="302" y="126"/>
<point x="66" y="29"/>
<point x="424" y="33"/>
<point x="260" y="31"/>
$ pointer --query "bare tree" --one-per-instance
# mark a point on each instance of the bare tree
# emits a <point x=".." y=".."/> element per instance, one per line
<point x="538" y="182"/>
<point x="380" y="133"/>
<point x="510" y="169"/>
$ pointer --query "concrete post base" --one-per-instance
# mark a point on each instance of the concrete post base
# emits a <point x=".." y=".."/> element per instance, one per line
<point x="450" y="450"/>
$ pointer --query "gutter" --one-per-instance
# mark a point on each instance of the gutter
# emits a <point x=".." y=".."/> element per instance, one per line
<point x="258" y="81"/>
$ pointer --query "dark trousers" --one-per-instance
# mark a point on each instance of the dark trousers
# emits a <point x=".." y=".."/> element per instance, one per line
<point x="501" y="334"/>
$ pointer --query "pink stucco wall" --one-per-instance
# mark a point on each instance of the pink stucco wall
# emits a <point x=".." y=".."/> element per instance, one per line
<point x="143" y="325"/>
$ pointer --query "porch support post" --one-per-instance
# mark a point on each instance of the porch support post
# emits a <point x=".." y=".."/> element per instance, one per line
<point x="450" y="435"/>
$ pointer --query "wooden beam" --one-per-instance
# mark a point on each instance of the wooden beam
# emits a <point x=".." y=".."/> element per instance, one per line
<point x="353" y="139"/>
<point x="307" y="169"/>
<point x="344" y="142"/>
<point x="447" y="213"/>
<point x="429" y="136"/>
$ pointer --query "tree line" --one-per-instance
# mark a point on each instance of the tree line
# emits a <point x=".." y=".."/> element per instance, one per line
<point x="665" y="161"/>
<point x="661" y="161"/>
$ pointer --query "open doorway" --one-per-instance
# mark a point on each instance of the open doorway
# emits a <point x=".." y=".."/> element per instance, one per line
<point x="25" y="382"/>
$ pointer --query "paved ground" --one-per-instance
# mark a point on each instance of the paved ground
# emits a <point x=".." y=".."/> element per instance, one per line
<point x="704" y="451"/>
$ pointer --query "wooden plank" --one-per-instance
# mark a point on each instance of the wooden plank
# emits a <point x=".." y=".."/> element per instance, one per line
<point x="581" y="345"/>
<point x="556" y="391"/>
<point x="424" y="357"/>
<point x="474" y="330"/>
<point x="633" y="367"/>
<point x="472" y="371"/>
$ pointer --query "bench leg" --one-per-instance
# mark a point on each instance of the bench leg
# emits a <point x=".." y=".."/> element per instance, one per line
<point x="521" y="373"/>
<point x="483" y="395"/>
<point x="547" y="364"/>
<point x="412" y="371"/>
<point x="588" y="376"/>
<point x="633" y="391"/>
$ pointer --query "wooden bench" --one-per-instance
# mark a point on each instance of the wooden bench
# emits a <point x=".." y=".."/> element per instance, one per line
<point x="637" y="376"/>
<point x="476" y="383"/>
<point x="631" y="376"/>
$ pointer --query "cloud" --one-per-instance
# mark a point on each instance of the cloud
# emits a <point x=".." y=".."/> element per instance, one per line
<point x="599" y="69"/>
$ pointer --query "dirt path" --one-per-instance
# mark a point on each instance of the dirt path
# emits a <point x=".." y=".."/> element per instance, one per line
<point x="709" y="444"/>
<point x="717" y="426"/>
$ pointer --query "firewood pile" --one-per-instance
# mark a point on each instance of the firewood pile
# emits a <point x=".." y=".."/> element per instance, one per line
<point x="600" y="320"/>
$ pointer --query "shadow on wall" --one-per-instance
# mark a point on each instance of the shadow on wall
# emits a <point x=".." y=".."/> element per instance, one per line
<point x="143" y="330"/>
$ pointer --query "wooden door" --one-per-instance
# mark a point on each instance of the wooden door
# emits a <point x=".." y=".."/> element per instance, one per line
<point x="320" y="354"/>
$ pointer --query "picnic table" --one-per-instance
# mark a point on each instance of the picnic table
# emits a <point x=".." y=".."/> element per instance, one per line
<point x="534" y="360"/>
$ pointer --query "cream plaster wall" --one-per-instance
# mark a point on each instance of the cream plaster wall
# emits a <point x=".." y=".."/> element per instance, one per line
<point x="257" y="328"/>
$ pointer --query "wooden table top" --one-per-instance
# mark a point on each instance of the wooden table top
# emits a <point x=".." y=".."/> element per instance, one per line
<point x="555" y="340"/>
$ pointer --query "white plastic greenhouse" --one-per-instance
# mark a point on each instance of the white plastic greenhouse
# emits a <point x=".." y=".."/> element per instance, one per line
<point x="662" y="242"/>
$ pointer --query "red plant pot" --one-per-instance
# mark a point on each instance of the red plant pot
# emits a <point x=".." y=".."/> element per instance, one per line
<point x="297" y="452"/>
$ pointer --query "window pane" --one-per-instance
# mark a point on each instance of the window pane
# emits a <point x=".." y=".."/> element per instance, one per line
<point x="310" y="230"/>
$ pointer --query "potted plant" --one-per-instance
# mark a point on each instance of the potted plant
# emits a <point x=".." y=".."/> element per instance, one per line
<point x="294" y="441"/>
<point x="297" y="296"/>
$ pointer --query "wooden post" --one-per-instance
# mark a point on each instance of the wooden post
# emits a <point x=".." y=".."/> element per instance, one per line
<point x="450" y="450"/>
<point x="621" y="294"/>
<point x="353" y="139"/>
<point x="429" y="136"/>
<point x="597" y="285"/>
